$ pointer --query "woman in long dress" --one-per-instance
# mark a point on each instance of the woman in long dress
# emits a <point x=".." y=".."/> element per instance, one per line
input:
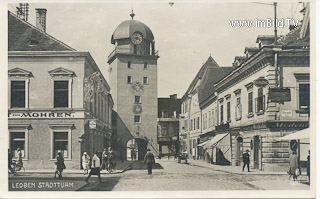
<point x="85" y="162"/>
<point x="293" y="165"/>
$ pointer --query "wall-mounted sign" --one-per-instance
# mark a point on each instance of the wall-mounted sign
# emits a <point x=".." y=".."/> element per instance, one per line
<point x="279" y="95"/>
<point x="288" y="125"/>
<point x="92" y="124"/>
<point x="286" y="113"/>
<point x="51" y="115"/>
<point x="261" y="82"/>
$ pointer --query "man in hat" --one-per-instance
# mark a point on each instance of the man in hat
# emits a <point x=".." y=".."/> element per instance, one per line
<point x="149" y="159"/>
<point x="246" y="160"/>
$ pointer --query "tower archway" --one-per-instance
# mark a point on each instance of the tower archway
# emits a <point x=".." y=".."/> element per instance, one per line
<point x="136" y="149"/>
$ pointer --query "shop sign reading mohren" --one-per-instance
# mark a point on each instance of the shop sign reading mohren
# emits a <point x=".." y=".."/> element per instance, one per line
<point x="46" y="115"/>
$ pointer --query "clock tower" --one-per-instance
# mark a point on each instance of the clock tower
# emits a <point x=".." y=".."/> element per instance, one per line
<point x="133" y="82"/>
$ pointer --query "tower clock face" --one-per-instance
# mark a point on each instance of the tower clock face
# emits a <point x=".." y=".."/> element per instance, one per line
<point x="136" y="38"/>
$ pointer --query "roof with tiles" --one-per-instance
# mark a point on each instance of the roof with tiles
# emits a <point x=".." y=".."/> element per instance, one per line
<point x="293" y="39"/>
<point x="212" y="76"/>
<point x="210" y="63"/>
<point x="22" y="36"/>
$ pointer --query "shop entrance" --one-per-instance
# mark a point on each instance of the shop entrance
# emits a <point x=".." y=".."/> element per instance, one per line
<point x="239" y="150"/>
<point x="257" y="151"/>
<point x="136" y="149"/>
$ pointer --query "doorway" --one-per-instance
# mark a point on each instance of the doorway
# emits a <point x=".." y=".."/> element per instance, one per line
<point x="136" y="149"/>
<point x="239" y="150"/>
<point x="257" y="152"/>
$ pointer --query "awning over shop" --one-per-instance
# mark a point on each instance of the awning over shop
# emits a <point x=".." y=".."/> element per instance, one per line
<point x="303" y="134"/>
<point x="214" y="140"/>
<point x="203" y="143"/>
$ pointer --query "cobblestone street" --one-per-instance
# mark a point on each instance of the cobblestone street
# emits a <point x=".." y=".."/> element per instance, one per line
<point x="176" y="176"/>
<point x="173" y="177"/>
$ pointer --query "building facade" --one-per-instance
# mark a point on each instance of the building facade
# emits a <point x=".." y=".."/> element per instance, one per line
<point x="58" y="100"/>
<point x="168" y="125"/>
<point x="265" y="97"/>
<point x="133" y="77"/>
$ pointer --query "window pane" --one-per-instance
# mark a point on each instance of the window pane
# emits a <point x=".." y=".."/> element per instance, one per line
<point x="17" y="94"/>
<point x="250" y="104"/>
<point x="228" y="111"/>
<point x="129" y="79"/>
<point x="129" y="64"/>
<point x="60" y="143"/>
<point x="304" y="95"/>
<point x="145" y="65"/>
<point x="137" y="99"/>
<point x="137" y="118"/>
<point x="61" y="93"/>
<point x="145" y="80"/>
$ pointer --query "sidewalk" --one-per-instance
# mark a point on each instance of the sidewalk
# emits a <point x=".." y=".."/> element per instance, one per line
<point x="232" y="169"/>
<point x="120" y="168"/>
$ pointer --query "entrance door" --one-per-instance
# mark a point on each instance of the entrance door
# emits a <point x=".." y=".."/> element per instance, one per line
<point x="256" y="152"/>
<point x="239" y="151"/>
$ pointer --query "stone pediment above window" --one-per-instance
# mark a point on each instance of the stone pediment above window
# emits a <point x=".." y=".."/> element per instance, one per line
<point x="61" y="72"/>
<point x="18" y="72"/>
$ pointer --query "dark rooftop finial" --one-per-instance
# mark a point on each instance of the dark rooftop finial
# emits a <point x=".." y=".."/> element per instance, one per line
<point x="132" y="14"/>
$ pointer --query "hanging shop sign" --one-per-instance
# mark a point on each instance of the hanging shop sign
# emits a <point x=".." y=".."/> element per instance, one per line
<point x="279" y="95"/>
<point x="261" y="82"/>
<point x="92" y="124"/>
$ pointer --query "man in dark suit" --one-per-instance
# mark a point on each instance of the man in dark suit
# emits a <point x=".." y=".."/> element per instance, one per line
<point x="246" y="160"/>
<point x="149" y="159"/>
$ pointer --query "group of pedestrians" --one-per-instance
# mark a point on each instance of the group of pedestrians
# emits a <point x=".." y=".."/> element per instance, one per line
<point x="294" y="166"/>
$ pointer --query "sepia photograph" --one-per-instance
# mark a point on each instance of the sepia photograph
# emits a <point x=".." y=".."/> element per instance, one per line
<point x="146" y="99"/>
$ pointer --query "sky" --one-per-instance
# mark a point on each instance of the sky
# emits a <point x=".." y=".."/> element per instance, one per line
<point x="186" y="33"/>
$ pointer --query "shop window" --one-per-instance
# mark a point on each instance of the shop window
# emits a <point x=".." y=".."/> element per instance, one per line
<point x="137" y="119"/>
<point x="260" y="102"/>
<point x="304" y="96"/>
<point x="61" y="93"/>
<point x="145" y="80"/>
<point x="137" y="99"/>
<point x="129" y="80"/>
<point x="18" y="94"/>
<point x="60" y="144"/>
<point x="238" y="109"/>
<point x="17" y="140"/>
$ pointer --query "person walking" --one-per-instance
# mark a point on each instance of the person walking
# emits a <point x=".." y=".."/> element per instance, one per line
<point x="110" y="160"/>
<point x="293" y="165"/>
<point x="308" y="166"/>
<point x="149" y="160"/>
<point x="10" y="156"/>
<point x="246" y="160"/>
<point x="19" y="153"/>
<point x="104" y="159"/>
<point x="60" y="166"/>
<point x="85" y="162"/>
<point x="95" y="167"/>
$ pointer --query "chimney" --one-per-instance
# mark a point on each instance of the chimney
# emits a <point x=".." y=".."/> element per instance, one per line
<point x="41" y="18"/>
<point x="174" y="96"/>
